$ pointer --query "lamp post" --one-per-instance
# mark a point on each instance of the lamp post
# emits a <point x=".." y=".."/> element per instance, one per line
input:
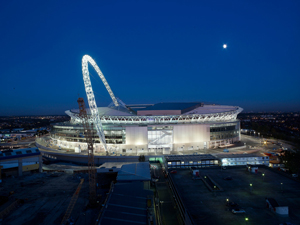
<point x="263" y="175"/>
<point x="281" y="186"/>
<point x="250" y="187"/>
<point x="215" y="190"/>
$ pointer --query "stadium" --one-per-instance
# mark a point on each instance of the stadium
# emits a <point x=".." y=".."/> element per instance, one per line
<point x="161" y="128"/>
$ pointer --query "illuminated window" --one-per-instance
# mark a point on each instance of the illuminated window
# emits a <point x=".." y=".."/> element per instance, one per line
<point x="191" y="162"/>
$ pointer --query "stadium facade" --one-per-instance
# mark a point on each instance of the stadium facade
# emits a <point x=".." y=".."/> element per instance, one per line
<point x="146" y="128"/>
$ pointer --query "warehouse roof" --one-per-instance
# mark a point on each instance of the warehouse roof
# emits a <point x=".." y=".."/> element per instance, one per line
<point x="127" y="204"/>
<point x="135" y="172"/>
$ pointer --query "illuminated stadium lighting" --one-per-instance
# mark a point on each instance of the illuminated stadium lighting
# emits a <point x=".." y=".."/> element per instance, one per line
<point x="147" y="128"/>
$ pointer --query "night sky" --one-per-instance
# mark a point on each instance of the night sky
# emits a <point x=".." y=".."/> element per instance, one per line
<point x="150" y="52"/>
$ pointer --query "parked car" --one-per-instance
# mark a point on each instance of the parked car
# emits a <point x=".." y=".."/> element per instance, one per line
<point x="237" y="210"/>
<point x="173" y="171"/>
<point x="227" y="178"/>
<point x="154" y="180"/>
<point x="294" y="175"/>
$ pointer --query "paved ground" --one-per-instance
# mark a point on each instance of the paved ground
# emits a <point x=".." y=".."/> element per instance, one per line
<point x="207" y="208"/>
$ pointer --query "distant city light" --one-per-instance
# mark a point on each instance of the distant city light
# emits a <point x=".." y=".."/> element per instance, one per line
<point x="224" y="46"/>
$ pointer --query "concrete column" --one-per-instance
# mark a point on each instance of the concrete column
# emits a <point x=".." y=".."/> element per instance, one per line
<point x="40" y="163"/>
<point x="20" y="167"/>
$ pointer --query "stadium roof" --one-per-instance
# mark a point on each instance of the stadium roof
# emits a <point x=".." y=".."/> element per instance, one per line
<point x="108" y="111"/>
<point x="172" y="106"/>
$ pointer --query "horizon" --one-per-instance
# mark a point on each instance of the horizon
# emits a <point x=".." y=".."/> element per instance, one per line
<point x="243" y="54"/>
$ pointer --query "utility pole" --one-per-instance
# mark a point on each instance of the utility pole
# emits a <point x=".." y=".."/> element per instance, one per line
<point x="89" y="136"/>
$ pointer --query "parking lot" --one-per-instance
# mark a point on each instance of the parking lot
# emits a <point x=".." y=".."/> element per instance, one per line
<point x="206" y="207"/>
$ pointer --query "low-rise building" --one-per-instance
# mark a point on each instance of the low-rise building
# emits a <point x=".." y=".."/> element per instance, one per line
<point x="15" y="162"/>
<point x="242" y="159"/>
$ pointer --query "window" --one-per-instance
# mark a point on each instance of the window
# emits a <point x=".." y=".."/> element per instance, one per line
<point x="19" y="153"/>
<point x="191" y="162"/>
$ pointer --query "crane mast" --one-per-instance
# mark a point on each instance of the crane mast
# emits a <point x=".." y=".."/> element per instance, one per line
<point x="89" y="135"/>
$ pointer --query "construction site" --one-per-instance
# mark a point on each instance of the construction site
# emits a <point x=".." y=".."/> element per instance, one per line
<point x="45" y="198"/>
<point x="50" y="197"/>
<point x="64" y="193"/>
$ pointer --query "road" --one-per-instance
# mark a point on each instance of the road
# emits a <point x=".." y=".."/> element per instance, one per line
<point x="166" y="205"/>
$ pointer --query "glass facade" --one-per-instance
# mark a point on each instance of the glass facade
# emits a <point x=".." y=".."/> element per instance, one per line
<point x="113" y="135"/>
<point x="160" y="137"/>
<point x="224" y="131"/>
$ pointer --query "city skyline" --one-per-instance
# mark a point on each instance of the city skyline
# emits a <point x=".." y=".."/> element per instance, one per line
<point x="150" y="52"/>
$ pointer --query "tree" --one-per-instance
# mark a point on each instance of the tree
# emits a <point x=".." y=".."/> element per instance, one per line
<point x="291" y="161"/>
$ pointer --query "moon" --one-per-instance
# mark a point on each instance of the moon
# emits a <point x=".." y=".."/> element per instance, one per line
<point x="224" y="46"/>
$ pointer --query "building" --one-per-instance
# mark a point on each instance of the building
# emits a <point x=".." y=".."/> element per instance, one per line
<point x="188" y="161"/>
<point x="128" y="203"/>
<point x="242" y="159"/>
<point x="147" y="128"/>
<point x="16" y="162"/>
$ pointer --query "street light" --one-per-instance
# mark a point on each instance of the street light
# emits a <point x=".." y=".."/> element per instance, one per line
<point x="250" y="187"/>
<point x="281" y="186"/>
<point x="263" y="175"/>
<point x="246" y="219"/>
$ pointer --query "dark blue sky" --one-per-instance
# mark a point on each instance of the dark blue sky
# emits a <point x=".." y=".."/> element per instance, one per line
<point x="149" y="52"/>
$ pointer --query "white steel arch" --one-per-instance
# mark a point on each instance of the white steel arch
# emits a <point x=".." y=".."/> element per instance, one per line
<point x="91" y="97"/>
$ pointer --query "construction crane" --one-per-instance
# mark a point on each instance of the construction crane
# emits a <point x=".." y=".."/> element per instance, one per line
<point x="72" y="204"/>
<point x="89" y="135"/>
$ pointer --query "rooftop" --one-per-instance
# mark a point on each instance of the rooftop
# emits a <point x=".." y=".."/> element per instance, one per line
<point x="172" y="106"/>
<point x="187" y="158"/>
<point x="127" y="204"/>
<point x="135" y="172"/>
